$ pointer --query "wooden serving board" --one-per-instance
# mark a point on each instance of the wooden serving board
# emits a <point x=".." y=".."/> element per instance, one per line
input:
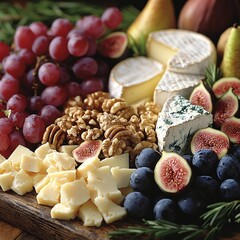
<point x="24" y="213"/>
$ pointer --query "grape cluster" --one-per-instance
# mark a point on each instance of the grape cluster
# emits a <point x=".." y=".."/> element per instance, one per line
<point x="44" y="67"/>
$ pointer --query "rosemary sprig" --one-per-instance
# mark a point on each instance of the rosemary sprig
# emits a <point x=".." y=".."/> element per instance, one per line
<point x="218" y="216"/>
<point x="212" y="74"/>
<point x="14" y="14"/>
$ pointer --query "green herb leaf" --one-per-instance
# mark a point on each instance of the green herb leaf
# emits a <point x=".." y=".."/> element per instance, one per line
<point x="212" y="74"/>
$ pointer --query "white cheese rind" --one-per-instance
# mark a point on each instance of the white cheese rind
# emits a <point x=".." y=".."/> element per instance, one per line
<point x="177" y="121"/>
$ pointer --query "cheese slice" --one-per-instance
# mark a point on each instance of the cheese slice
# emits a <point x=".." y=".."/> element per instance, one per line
<point x="177" y="121"/>
<point x="135" y="78"/>
<point x="2" y="158"/>
<point x="181" y="50"/>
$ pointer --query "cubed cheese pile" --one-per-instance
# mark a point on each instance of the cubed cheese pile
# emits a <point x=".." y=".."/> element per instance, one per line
<point x="92" y="192"/>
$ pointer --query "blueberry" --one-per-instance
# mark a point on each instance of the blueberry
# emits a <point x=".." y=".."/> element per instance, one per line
<point x="235" y="151"/>
<point x="188" y="158"/>
<point x="142" y="180"/>
<point x="228" y="167"/>
<point x="192" y="203"/>
<point x="208" y="185"/>
<point x="166" y="209"/>
<point x="230" y="190"/>
<point x="148" y="157"/>
<point x="137" y="204"/>
<point x="205" y="161"/>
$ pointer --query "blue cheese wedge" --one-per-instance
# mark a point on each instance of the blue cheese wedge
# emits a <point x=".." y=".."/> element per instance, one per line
<point x="177" y="121"/>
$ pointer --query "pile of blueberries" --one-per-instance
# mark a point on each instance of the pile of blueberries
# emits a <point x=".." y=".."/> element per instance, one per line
<point x="213" y="180"/>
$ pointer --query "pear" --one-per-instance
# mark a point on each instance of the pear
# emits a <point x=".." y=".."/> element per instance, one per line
<point x="156" y="15"/>
<point x="230" y="65"/>
<point x="222" y="42"/>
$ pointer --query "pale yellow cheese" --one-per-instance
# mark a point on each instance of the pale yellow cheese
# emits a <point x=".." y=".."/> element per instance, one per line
<point x="110" y="211"/>
<point x="6" y="180"/>
<point x="126" y="191"/>
<point x="75" y="193"/>
<point x="101" y="182"/>
<point x="49" y="195"/>
<point x="17" y="154"/>
<point x="37" y="177"/>
<point x="90" y="215"/>
<point x="31" y="163"/>
<point x="88" y="166"/>
<point x="6" y="166"/>
<point x="42" y="183"/>
<point x="63" y="176"/>
<point x="63" y="211"/>
<point x="68" y="149"/>
<point x="121" y="161"/>
<point x="135" y="78"/>
<point x="43" y="150"/>
<point x="2" y="158"/>
<point x="22" y="183"/>
<point x="122" y="176"/>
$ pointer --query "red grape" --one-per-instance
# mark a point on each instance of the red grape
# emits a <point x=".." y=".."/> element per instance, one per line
<point x="91" y="85"/>
<point x="49" y="114"/>
<point x="2" y="108"/>
<point x="61" y="27"/>
<point x="8" y="86"/>
<point x="16" y="138"/>
<point x="38" y="28"/>
<point x="17" y="103"/>
<point x="78" y="46"/>
<point x="4" y="50"/>
<point x="40" y="45"/>
<point x="85" y="67"/>
<point x="76" y="33"/>
<point x="74" y="89"/>
<point x="58" y="49"/>
<point x="24" y="37"/>
<point x="6" y="125"/>
<point x="112" y="17"/>
<point x="18" y="118"/>
<point x="49" y="74"/>
<point x="27" y="56"/>
<point x="93" y="26"/>
<point x="35" y="103"/>
<point x="65" y="76"/>
<point x="5" y="142"/>
<point x="33" y="128"/>
<point x="14" y="66"/>
<point x="54" y="95"/>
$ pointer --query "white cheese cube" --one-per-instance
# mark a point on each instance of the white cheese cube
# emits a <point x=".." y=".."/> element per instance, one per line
<point x="61" y="161"/>
<point x="16" y="156"/>
<point x="68" y="149"/>
<point x="111" y="212"/>
<point x="22" y="183"/>
<point x="90" y="215"/>
<point x="31" y="163"/>
<point x="53" y="169"/>
<point x="75" y="193"/>
<point x="63" y="176"/>
<point x="6" y="166"/>
<point x="63" y="211"/>
<point x="122" y="176"/>
<point x="126" y="191"/>
<point x="42" y="183"/>
<point x="2" y="158"/>
<point x="37" y="177"/>
<point x="121" y="161"/>
<point x="43" y="150"/>
<point x="6" y="180"/>
<point x="88" y="166"/>
<point x="49" y="195"/>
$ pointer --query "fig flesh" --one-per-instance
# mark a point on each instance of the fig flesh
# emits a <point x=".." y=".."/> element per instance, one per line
<point x="226" y="107"/>
<point x="113" y="45"/>
<point x="172" y="173"/>
<point x="87" y="150"/>
<point x="222" y="86"/>
<point x="231" y="127"/>
<point x="201" y="97"/>
<point x="210" y="138"/>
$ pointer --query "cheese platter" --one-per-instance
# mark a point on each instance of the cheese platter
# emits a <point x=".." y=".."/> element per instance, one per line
<point x="113" y="127"/>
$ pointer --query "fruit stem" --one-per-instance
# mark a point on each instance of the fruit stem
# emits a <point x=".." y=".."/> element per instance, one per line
<point x="235" y="25"/>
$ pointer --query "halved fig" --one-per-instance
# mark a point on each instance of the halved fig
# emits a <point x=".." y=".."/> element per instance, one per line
<point x="222" y="86"/>
<point x="87" y="150"/>
<point x="113" y="45"/>
<point x="226" y="107"/>
<point x="172" y="173"/>
<point x="200" y="96"/>
<point x="231" y="127"/>
<point x="210" y="138"/>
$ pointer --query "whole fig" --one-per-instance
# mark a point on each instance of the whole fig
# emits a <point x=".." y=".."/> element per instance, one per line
<point x="209" y="17"/>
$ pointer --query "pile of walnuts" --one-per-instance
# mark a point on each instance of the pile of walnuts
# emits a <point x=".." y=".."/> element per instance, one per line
<point x="121" y="127"/>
